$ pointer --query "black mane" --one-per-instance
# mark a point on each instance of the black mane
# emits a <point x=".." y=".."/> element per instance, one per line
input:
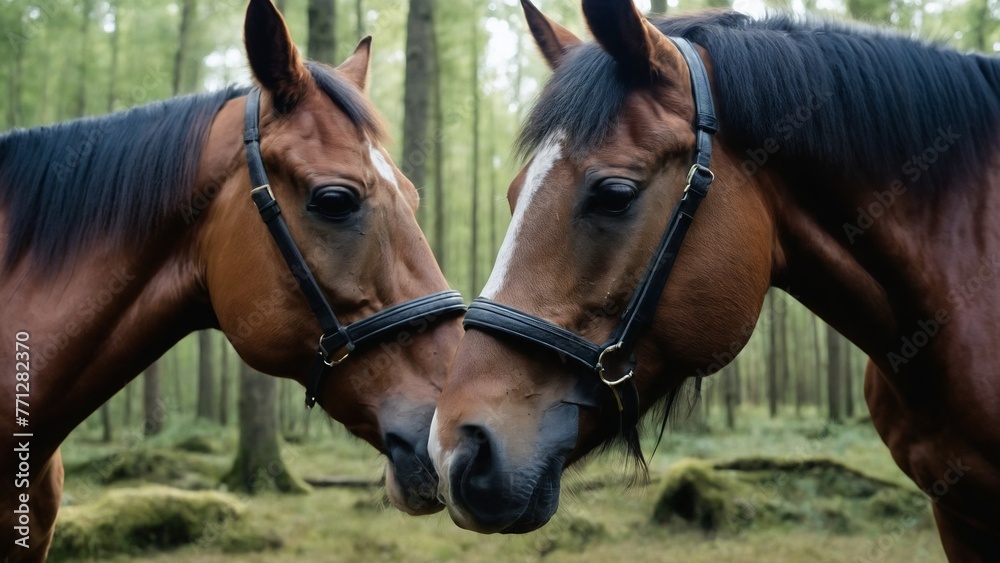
<point x="882" y="98"/>
<point x="115" y="177"/>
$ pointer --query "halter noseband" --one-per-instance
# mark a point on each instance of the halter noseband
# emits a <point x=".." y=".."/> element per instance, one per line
<point x="338" y="340"/>
<point x="497" y="318"/>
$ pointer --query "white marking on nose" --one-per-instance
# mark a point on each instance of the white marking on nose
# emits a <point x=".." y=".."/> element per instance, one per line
<point x="441" y="465"/>
<point x="548" y="154"/>
<point x="382" y="165"/>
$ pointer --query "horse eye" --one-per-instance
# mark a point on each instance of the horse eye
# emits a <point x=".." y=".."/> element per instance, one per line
<point x="334" y="202"/>
<point x="614" y="197"/>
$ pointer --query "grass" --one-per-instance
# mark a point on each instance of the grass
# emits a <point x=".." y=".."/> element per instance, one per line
<point x="599" y="519"/>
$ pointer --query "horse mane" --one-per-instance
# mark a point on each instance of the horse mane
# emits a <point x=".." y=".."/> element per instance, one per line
<point x="116" y="177"/>
<point x="874" y="100"/>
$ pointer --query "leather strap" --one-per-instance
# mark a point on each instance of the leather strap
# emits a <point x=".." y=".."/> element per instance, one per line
<point x="337" y="341"/>
<point x="269" y="210"/>
<point x="484" y="314"/>
<point x="497" y="318"/>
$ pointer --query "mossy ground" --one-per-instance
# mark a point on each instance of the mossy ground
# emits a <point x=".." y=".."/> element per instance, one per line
<point x="155" y="518"/>
<point x="599" y="518"/>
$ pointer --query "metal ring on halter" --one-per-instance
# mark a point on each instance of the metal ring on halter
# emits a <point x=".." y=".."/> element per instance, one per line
<point x="600" y="366"/>
<point x="333" y="363"/>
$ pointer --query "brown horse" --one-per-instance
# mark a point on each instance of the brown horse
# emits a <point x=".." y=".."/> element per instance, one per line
<point x="124" y="233"/>
<point x="855" y="169"/>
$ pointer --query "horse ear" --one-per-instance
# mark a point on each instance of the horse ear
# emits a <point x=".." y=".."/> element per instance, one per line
<point x="638" y="47"/>
<point x="357" y="66"/>
<point x="553" y="39"/>
<point x="274" y="59"/>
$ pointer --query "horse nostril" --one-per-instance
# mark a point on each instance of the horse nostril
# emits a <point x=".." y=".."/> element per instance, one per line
<point x="479" y="471"/>
<point x="480" y="436"/>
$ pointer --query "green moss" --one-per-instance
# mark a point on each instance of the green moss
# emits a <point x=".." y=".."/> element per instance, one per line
<point x="695" y="493"/>
<point x="196" y="444"/>
<point x="141" y="519"/>
<point x="164" y="467"/>
<point x="570" y="533"/>
<point x="813" y="493"/>
<point x="243" y="539"/>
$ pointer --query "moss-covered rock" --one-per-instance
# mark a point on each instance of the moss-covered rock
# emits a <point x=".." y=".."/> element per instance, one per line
<point x="196" y="444"/>
<point x="136" y="520"/>
<point x="164" y="467"/>
<point x="814" y="493"/>
<point x="695" y="493"/>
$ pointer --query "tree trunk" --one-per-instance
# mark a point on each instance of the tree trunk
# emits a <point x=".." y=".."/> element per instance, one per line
<point x="732" y="382"/>
<point x="772" y="362"/>
<point x="800" y="371"/>
<point x="81" y="97"/>
<point x="658" y="7"/>
<point x="171" y="368"/>
<point x="224" y="385"/>
<point x="129" y="392"/>
<point x="818" y="357"/>
<point x="14" y="86"/>
<point x="834" y="372"/>
<point x="848" y="379"/>
<point x="113" y="78"/>
<point x="106" y="434"/>
<point x="439" y="198"/>
<point x="206" y="374"/>
<point x="784" y="371"/>
<point x="282" y="407"/>
<point x="322" y="44"/>
<point x="474" y="250"/>
<point x="492" y="203"/>
<point x="183" y="45"/>
<point x="152" y="401"/>
<point x="359" y="20"/>
<point x="258" y="465"/>
<point x="417" y="90"/>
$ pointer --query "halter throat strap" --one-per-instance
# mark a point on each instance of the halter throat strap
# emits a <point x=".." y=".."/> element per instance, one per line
<point x="497" y="318"/>
<point x="337" y="340"/>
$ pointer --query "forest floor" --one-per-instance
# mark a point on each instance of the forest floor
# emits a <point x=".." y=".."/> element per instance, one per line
<point x="601" y="517"/>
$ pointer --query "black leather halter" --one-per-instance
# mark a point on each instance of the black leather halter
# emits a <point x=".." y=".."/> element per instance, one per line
<point x="337" y="341"/>
<point x="497" y="318"/>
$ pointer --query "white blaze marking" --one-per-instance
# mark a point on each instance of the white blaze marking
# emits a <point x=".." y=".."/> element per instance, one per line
<point x="443" y="466"/>
<point x="382" y="165"/>
<point x="548" y="154"/>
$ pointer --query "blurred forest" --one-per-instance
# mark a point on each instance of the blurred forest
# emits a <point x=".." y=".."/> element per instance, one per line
<point x="453" y="79"/>
<point x="454" y="97"/>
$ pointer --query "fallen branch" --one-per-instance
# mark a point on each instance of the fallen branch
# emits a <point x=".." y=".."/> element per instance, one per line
<point x="343" y="482"/>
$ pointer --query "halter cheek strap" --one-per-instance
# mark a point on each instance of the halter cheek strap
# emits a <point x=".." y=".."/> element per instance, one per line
<point x="497" y="318"/>
<point x="337" y="340"/>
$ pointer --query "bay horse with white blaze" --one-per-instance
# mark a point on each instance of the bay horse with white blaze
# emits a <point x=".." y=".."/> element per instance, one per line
<point x="122" y="234"/>
<point x="855" y="169"/>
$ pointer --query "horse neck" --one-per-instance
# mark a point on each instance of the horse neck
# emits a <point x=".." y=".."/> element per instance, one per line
<point x="98" y="322"/>
<point x="879" y="263"/>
